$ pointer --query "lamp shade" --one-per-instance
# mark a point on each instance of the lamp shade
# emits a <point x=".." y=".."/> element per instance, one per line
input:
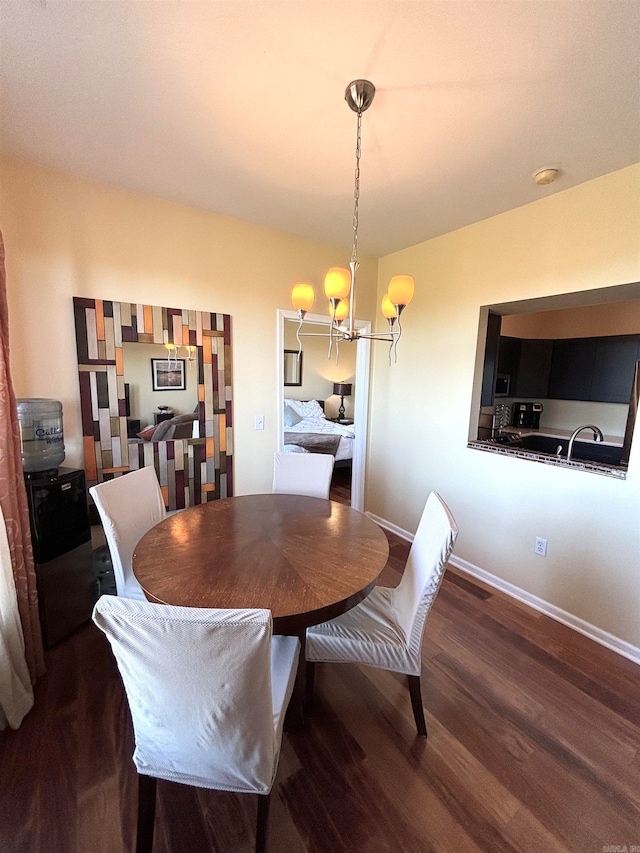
<point x="302" y="296"/>
<point x="388" y="308"/>
<point x="337" y="283"/>
<point x="342" y="389"/>
<point x="342" y="309"/>
<point x="401" y="289"/>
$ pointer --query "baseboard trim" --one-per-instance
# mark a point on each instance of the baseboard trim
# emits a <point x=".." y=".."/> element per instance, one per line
<point x="604" y="638"/>
<point x="392" y="528"/>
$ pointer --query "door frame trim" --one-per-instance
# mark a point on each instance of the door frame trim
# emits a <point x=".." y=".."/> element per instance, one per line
<point x="360" y="403"/>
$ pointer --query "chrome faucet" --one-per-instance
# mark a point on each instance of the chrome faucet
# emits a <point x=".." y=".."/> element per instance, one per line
<point x="597" y="436"/>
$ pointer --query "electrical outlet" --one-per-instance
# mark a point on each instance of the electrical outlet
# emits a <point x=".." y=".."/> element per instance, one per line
<point x="259" y="422"/>
<point x="540" y="547"/>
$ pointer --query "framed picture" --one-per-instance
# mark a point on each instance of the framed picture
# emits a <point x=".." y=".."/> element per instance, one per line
<point x="168" y="375"/>
<point x="292" y="367"/>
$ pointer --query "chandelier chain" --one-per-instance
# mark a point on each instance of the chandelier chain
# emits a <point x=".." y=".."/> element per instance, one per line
<point x="356" y="191"/>
<point x="359" y="96"/>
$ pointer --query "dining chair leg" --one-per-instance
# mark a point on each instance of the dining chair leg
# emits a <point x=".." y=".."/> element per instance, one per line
<point x="294" y="719"/>
<point x="416" y="704"/>
<point x="264" y="801"/>
<point x="310" y="687"/>
<point x="146" y="813"/>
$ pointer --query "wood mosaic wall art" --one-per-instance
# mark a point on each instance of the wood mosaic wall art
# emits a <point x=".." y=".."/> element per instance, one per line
<point x="190" y="471"/>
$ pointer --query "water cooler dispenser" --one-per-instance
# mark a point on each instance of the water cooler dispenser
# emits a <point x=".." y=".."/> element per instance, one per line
<point x="59" y="520"/>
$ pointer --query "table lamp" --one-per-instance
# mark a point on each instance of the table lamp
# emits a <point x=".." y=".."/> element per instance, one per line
<point x="342" y="390"/>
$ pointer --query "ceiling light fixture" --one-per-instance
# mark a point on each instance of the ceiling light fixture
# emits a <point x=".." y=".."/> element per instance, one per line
<point x="545" y="176"/>
<point x="340" y="283"/>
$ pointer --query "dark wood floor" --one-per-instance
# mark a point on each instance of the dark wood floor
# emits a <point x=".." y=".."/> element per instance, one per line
<point x="341" y="485"/>
<point x="534" y="745"/>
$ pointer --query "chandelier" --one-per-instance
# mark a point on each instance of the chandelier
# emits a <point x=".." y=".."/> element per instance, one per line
<point x="340" y="283"/>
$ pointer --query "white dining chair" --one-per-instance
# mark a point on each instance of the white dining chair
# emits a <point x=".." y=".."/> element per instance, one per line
<point x="128" y="506"/>
<point x="385" y="630"/>
<point x="208" y="690"/>
<point x="302" y="474"/>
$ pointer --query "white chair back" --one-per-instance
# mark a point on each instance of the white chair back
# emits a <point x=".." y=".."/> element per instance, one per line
<point x="199" y="687"/>
<point x="302" y="474"/>
<point x="431" y="548"/>
<point x="129" y="506"/>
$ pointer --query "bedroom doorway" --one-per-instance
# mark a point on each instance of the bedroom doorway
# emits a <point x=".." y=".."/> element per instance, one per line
<point x="318" y="374"/>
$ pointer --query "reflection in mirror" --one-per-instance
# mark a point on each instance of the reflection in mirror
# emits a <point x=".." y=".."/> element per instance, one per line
<point x="320" y="372"/>
<point x="143" y="402"/>
<point x="310" y="414"/>
<point x="186" y="435"/>
<point x="292" y="367"/>
<point x="553" y="364"/>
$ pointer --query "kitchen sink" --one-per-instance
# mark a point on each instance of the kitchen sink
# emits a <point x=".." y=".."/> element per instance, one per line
<point x="586" y="451"/>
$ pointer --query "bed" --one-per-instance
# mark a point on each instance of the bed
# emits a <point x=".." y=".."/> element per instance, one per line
<point x="307" y="430"/>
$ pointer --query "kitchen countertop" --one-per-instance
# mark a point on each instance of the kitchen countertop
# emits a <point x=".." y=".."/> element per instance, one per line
<point x="617" y="471"/>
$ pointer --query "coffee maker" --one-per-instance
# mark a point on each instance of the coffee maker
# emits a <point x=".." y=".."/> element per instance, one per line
<point x="527" y="415"/>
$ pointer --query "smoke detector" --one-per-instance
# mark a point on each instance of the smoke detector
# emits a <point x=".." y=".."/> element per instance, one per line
<point x="545" y="176"/>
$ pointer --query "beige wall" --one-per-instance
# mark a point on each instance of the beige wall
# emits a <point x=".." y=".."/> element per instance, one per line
<point x="614" y="318"/>
<point x="319" y="372"/>
<point x="583" y="238"/>
<point x="68" y="237"/>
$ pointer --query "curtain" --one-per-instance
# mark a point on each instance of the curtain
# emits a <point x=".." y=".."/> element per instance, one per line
<point x="16" y="693"/>
<point x="19" y="590"/>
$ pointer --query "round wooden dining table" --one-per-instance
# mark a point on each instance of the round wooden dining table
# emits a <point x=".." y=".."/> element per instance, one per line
<point x="304" y="559"/>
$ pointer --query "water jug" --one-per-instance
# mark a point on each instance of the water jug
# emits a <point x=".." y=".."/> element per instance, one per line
<point x="41" y="434"/>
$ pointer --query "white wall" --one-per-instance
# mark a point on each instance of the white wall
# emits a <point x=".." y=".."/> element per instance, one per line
<point x="66" y="237"/>
<point x="580" y="239"/>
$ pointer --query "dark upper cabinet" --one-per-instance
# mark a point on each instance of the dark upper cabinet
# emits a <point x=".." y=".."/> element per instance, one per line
<point x="614" y="366"/>
<point x="534" y="368"/>
<point x="527" y="363"/>
<point x="596" y="369"/>
<point x="490" y="359"/>
<point x="572" y="366"/>
<point x="592" y="369"/>
<point x="508" y="358"/>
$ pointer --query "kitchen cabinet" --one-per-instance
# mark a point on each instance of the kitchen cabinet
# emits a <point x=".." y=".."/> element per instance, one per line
<point x="572" y="366"/>
<point x="598" y="369"/>
<point x="508" y="357"/>
<point x="490" y="359"/>
<point x="527" y="363"/>
<point x="614" y="367"/>
<point x="534" y="368"/>
<point x="595" y="369"/>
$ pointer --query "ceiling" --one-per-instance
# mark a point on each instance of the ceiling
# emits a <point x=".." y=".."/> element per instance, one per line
<point x="238" y="107"/>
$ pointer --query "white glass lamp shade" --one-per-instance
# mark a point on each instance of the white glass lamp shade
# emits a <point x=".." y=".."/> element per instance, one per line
<point x="302" y="296"/>
<point x="337" y="283"/>
<point x="388" y="308"/>
<point x="401" y="289"/>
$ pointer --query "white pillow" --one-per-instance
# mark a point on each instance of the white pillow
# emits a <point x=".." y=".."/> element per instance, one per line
<point x="291" y="417"/>
<point x="307" y="408"/>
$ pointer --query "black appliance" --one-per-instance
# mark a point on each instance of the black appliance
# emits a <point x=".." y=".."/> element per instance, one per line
<point x="62" y="550"/>
<point x="503" y="383"/>
<point x="527" y="415"/>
